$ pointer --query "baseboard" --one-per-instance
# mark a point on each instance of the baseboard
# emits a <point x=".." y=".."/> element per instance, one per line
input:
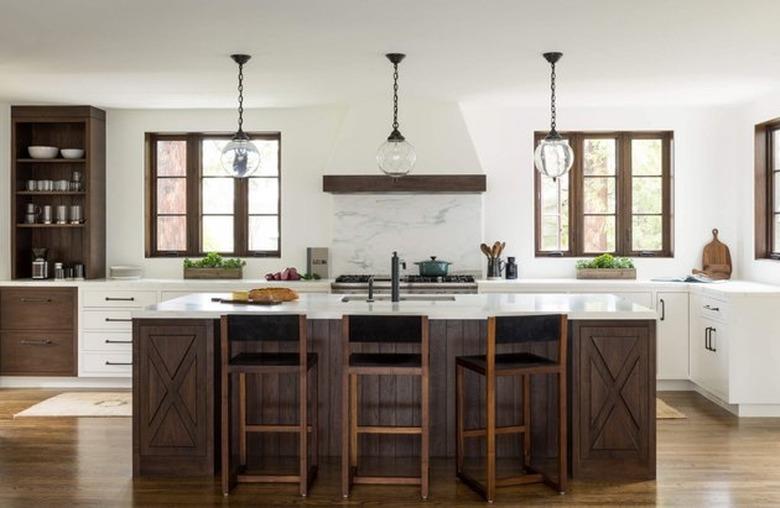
<point x="64" y="382"/>
<point x="674" y="385"/>
<point x="759" y="410"/>
<point x="731" y="408"/>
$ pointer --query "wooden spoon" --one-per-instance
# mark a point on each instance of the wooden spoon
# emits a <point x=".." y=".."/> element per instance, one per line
<point x="485" y="249"/>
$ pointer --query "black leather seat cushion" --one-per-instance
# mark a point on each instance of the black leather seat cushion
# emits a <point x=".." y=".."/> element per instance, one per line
<point x="270" y="359"/>
<point x="385" y="360"/>
<point x="508" y="361"/>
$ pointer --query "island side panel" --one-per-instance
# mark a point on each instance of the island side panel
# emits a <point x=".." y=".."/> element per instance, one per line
<point x="612" y="394"/>
<point x="174" y="411"/>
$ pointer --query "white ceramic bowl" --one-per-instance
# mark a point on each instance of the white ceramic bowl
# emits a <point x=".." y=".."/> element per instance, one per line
<point x="72" y="153"/>
<point x="43" y="152"/>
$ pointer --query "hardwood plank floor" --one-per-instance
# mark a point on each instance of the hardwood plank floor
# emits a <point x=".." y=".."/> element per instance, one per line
<point x="709" y="459"/>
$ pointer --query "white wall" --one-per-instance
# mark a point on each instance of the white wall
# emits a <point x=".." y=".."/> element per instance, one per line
<point x="503" y="138"/>
<point x="761" y="110"/>
<point x="307" y="140"/>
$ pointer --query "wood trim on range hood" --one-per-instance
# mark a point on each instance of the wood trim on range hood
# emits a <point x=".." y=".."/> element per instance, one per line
<point x="349" y="184"/>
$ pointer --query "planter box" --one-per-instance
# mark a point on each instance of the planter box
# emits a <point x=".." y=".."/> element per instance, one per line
<point x="213" y="273"/>
<point x="606" y="273"/>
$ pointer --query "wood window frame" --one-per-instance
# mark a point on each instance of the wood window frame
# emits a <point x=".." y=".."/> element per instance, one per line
<point x="194" y="199"/>
<point x="623" y="204"/>
<point x="764" y="190"/>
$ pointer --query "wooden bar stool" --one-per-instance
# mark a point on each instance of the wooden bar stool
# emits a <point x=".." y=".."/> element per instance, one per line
<point x="269" y="328"/>
<point x="384" y="330"/>
<point x="513" y="330"/>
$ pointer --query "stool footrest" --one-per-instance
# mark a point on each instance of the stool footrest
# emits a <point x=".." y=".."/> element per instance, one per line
<point x="375" y="429"/>
<point x="276" y="428"/>
<point x="508" y="429"/>
<point x="523" y="479"/>
<point x="386" y="480"/>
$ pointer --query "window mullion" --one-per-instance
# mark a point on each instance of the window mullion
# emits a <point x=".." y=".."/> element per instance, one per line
<point x="193" y="194"/>
<point x="240" y="220"/>
<point x="576" y="207"/>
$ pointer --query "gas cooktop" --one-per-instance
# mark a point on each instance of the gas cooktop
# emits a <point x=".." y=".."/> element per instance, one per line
<point x="408" y="279"/>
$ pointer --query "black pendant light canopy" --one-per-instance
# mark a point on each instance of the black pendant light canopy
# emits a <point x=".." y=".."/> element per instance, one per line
<point x="240" y="157"/>
<point x="396" y="156"/>
<point x="553" y="157"/>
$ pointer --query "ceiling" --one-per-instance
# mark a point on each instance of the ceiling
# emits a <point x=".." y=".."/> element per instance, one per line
<point x="174" y="53"/>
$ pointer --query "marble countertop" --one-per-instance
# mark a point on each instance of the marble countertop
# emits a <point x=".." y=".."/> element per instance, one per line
<point x="479" y="306"/>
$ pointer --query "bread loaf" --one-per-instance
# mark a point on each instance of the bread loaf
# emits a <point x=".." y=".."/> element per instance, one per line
<point x="273" y="294"/>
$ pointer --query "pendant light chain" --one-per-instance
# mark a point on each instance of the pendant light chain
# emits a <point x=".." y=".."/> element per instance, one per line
<point x="240" y="97"/>
<point x="552" y="100"/>
<point x="395" y="96"/>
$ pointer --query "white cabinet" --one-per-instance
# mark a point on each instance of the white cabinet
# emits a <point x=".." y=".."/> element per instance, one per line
<point x="709" y="346"/>
<point x="672" y="335"/>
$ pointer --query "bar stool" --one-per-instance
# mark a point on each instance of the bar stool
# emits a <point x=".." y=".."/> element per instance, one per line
<point x="269" y="328"/>
<point x="384" y="330"/>
<point x="513" y="330"/>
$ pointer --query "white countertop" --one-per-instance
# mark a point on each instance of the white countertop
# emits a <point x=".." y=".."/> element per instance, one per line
<point x="327" y="306"/>
<point x="322" y="285"/>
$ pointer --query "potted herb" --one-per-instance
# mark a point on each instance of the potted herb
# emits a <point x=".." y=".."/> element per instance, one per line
<point x="213" y="266"/>
<point x="606" y="266"/>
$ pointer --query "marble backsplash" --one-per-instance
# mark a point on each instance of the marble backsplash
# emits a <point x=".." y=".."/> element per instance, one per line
<point x="367" y="228"/>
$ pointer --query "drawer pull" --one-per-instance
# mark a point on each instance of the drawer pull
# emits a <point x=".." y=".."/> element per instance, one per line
<point x="118" y="320"/>
<point x="714" y="309"/>
<point x="36" y="342"/>
<point x="35" y="300"/>
<point x="663" y="310"/>
<point x="116" y="299"/>
<point x="118" y="363"/>
<point x="109" y="341"/>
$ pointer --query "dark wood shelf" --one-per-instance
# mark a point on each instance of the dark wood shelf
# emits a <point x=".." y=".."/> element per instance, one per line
<point x="424" y="184"/>
<point x="51" y="161"/>
<point x="38" y="226"/>
<point x="51" y="193"/>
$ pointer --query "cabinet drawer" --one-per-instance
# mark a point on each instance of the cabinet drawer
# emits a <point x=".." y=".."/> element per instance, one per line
<point x="711" y="308"/>
<point x="37" y="308"/>
<point x="37" y="353"/>
<point x="107" y="364"/>
<point x="119" y="298"/>
<point x="109" y="320"/>
<point x="107" y="341"/>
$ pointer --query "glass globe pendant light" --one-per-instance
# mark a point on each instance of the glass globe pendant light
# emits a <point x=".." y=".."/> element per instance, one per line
<point x="240" y="158"/>
<point x="553" y="157"/>
<point x="396" y="156"/>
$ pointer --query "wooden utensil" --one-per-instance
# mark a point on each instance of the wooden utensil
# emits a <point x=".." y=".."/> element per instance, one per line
<point x="716" y="259"/>
<point x="485" y="249"/>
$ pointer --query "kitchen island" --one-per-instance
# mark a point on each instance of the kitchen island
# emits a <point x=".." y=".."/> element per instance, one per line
<point x="611" y="382"/>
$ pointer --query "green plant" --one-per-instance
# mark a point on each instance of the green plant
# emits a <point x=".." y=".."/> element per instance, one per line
<point x="214" y="260"/>
<point x="605" y="261"/>
<point x="310" y="276"/>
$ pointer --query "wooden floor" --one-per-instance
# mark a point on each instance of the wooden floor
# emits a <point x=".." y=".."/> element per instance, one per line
<point x="709" y="459"/>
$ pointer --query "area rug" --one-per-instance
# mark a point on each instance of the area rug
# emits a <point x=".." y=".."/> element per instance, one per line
<point x="82" y="404"/>
<point x="664" y="411"/>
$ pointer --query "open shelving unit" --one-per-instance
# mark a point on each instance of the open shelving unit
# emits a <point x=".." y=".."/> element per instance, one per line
<point x="63" y="127"/>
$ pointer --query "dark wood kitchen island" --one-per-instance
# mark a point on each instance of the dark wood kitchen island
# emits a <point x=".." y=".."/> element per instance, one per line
<point x="611" y="384"/>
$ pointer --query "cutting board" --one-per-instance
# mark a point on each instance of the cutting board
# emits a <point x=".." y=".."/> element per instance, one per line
<point x="716" y="259"/>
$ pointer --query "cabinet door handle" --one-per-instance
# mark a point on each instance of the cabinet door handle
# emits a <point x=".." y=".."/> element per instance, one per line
<point x="109" y="341"/>
<point x="118" y="363"/>
<point x="117" y="299"/>
<point x="712" y="342"/>
<point x="663" y="309"/>
<point x="36" y="342"/>
<point x="35" y="300"/>
<point x="707" y="338"/>
<point x="714" y="309"/>
<point x="118" y="320"/>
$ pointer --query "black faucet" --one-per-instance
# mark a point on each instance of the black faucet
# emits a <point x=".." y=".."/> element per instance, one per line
<point x="395" y="274"/>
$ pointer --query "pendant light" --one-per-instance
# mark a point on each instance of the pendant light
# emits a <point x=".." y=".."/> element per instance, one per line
<point x="396" y="156"/>
<point x="553" y="157"/>
<point x="240" y="158"/>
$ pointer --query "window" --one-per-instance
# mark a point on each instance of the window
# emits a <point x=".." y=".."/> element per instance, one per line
<point x="617" y="198"/>
<point x="193" y="207"/>
<point x="767" y="192"/>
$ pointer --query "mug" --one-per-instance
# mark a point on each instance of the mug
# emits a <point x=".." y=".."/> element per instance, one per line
<point x="30" y="218"/>
<point x="47" y="214"/>
<point x="61" y="185"/>
<point x="62" y="214"/>
<point x="33" y="209"/>
<point x="45" y="185"/>
<point x="75" y="214"/>
<point x="32" y="185"/>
